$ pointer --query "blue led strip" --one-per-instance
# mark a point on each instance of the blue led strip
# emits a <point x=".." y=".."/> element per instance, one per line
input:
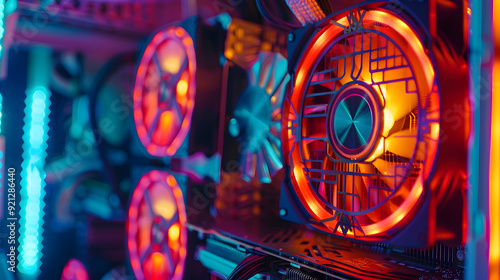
<point x="2" y="162"/>
<point x="33" y="175"/>
<point x="3" y="18"/>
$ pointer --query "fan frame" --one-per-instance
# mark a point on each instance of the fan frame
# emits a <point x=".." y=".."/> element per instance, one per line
<point x="419" y="194"/>
<point x="169" y="181"/>
<point x="182" y="37"/>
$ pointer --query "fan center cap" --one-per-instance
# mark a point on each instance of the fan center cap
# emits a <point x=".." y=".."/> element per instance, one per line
<point x="354" y="121"/>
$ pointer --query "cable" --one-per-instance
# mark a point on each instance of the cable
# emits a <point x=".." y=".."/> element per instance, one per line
<point x="249" y="267"/>
<point x="264" y="11"/>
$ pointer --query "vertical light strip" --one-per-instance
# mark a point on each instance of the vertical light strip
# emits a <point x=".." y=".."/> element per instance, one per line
<point x="3" y="18"/>
<point x="494" y="270"/>
<point x="35" y="137"/>
<point x="2" y="162"/>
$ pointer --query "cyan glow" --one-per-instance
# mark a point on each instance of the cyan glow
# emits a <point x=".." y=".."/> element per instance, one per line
<point x="32" y="179"/>
<point x="3" y="13"/>
<point x="2" y="148"/>
<point x="1" y="102"/>
<point x="10" y="6"/>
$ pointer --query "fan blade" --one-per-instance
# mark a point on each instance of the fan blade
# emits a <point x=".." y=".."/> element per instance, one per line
<point x="171" y="56"/>
<point x="373" y="194"/>
<point x="254" y="73"/>
<point x="394" y="172"/>
<point x="153" y="77"/>
<point x="313" y="137"/>
<point x="353" y="185"/>
<point x="247" y="166"/>
<point x="368" y="169"/>
<point x="402" y="143"/>
<point x="398" y="102"/>
<point x="268" y="62"/>
<point x="164" y="131"/>
<point x="279" y="93"/>
<point x="151" y="110"/>
<point x="262" y="170"/>
<point x="271" y="157"/>
<point x="278" y="74"/>
<point x="394" y="83"/>
<point x="161" y="202"/>
<point x="319" y="108"/>
<point x="322" y="190"/>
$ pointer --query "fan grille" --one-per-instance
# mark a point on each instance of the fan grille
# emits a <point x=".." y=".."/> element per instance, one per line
<point x="359" y="123"/>
<point x="156" y="232"/>
<point x="164" y="91"/>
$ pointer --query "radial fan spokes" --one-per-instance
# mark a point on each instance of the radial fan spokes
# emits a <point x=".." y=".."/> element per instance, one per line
<point x="257" y="118"/>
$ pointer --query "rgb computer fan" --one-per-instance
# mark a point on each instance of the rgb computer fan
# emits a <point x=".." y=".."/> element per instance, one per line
<point x="156" y="232"/>
<point x="164" y="91"/>
<point x="257" y="117"/>
<point x="259" y="58"/>
<point x="179" y="79"/>
<point x="363" y="131"/>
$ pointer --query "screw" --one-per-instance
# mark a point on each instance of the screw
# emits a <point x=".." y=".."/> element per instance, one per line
<point x="283" y="212"/>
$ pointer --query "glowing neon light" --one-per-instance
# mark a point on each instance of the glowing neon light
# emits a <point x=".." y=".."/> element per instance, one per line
<point x="164" y="91"/>
<point x="32" y="177"/>
<point x="314" y="205"/>
<point x="494" y="259"/>
<point x="2" y="159"/>
<point x="3" y="15"/>
<point x="74" y="270"/>
<point x="156" y="231"/>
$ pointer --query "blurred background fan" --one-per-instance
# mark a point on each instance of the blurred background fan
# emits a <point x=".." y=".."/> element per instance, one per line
<point x="156" y="228"/>
<point x="256" y="118"/>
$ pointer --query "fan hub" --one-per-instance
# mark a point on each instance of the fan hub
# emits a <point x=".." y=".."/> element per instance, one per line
<point x="354" y="121"/>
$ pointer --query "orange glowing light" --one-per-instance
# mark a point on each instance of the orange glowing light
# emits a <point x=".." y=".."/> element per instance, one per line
<point x="179" y="32"/>
<point x="388" y="122"/>
<point x="163" y="198"/>
<point x="168" y="52"/>
<point x="174" y="233"/>
<point x="162" y="135"/>
<point x="399" y="214"/>
<point x="171" y="181"/>
<point x="315" y="205"/>
<point x="182" y="88"/>
<point x="494" y="189"/>
<point x="413" y="42"/>
<point x="158" y="265"/>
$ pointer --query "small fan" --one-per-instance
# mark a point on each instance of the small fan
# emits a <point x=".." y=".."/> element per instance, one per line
<point x="257" y="117"/>
<point x="156" y="232"/>
<point x="164" y="91"/>
<point x="362" y="125"/>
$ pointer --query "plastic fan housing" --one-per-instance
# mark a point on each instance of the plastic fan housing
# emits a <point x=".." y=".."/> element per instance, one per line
<point x="361" y="132"/>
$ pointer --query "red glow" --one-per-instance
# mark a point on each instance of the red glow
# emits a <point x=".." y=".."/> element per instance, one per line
<point x="165" y="196"/>
<point x="164" y="91"/>
<point x="74" y="270"/>
<point x="494" y="189"/>
<point x="409" y="195"/>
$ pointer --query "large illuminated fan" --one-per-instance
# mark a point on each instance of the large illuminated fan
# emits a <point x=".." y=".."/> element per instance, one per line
<point x="156" y="232"/>
<point x="164" y="91"/>
<point x="362" y="127"/>
<point x="257" y="117"/>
